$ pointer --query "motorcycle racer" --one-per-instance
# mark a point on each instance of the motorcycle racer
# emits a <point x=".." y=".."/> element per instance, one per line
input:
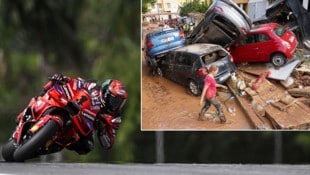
<point x="107" y="101"/>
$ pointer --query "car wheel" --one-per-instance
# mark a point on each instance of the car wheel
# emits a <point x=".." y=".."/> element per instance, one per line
<point x="278" y="59"/>
<point x="147" y="60"/>
<point x="194" y="88"/>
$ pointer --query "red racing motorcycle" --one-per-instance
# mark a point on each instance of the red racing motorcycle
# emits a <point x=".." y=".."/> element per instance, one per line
<point x="50" y="123"/>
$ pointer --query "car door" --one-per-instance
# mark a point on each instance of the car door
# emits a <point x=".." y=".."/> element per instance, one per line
<point x="244" y="49"/>
<point x="166" y="64"/>
<point x="262" y="47"/>
<point x="183" y="67"/>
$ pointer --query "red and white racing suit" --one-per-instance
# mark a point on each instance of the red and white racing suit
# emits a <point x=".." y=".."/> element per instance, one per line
<point x="106" y="131"/>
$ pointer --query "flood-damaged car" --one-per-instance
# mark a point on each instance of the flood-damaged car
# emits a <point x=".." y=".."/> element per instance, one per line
<point x="183" y="64"/>
<point x="269" y="42"/>
<point x="160" y="42"/>
<point x="291" y="14"/>
<point x="223" y="23"/>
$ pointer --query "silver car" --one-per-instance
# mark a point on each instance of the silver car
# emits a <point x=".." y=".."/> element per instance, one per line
<point x="223" y="23"/>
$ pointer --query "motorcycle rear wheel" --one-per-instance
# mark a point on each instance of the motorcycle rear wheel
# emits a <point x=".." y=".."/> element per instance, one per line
<point x="29" y="149"/>
<point x="8" y="151"/>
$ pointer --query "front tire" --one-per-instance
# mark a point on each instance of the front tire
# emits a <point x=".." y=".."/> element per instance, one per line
<point x="193" y="88"/>
<point x="29" y="149"/>
<point x="8" y="150"/>
<point x="278" y="59"/>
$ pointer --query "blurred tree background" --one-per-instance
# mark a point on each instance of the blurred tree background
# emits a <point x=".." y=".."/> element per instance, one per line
<point x="92" y="39"/>
<point x="100" y="39"/>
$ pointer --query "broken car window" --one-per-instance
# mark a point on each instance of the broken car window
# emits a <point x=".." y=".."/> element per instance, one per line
<point x="280" y="30"/>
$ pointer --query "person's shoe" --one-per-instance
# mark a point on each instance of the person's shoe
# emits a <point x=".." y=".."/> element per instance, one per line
<point x="222" y="118"/>
<point x="201" y="117"/>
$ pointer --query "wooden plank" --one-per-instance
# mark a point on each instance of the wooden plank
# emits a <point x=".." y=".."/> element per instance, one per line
<point x="286" y="112"/>
<point x="294" y="118"/>
<point x="300" y="92"/>
<point x="245" y="104"/>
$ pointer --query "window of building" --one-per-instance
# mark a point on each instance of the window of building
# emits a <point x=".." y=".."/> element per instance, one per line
<point x="168" y="5"/>
<point x="159" y="5"/>
<point x="153" y="6"/>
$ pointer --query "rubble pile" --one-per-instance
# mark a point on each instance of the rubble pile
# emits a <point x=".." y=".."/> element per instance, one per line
<point x="302" y="76"/>
<point x="269" y="104"/>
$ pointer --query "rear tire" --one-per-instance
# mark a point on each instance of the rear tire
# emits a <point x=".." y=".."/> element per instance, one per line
<point x="193" y="88"/>
<point x="8" y="150"/>
<point x="278" y="59"/>
<point x="29" y="149"/>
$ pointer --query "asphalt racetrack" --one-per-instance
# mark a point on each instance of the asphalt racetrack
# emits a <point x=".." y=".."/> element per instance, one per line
<point x="149" y="169"/>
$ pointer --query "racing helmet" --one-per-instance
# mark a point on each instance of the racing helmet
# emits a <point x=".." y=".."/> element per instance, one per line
<point x="113" y="95"/>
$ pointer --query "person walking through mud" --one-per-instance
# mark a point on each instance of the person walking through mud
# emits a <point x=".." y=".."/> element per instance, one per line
<point x="209" y="94"/>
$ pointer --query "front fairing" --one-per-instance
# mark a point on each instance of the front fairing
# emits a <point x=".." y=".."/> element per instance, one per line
<point x="43" y="108"/>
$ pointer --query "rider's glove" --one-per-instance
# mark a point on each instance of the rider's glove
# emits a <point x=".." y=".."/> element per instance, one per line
<point x="58" y="78"/>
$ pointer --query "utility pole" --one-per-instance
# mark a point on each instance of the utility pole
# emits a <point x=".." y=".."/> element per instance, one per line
<point x="278" y="147"/>
<point x="160" y="152"/>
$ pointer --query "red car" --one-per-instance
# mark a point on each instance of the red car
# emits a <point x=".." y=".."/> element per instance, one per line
<point x="265" y="43"/>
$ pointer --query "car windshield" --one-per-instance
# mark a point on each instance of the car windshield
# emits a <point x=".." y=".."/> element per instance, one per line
<point x="280" y="30"/>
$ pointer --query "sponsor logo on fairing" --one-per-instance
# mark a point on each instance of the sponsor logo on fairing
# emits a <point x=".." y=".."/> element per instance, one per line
<point x="87" y="115"/>
<point x="58" y="89"/>
<point x="67" y="92"/>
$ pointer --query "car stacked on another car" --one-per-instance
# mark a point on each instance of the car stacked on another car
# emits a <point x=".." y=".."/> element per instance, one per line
<point x="182" y="65"/>
<point x="269" y="42"/>
<point x="160" y="42"/>
<point x="223" y="23"/>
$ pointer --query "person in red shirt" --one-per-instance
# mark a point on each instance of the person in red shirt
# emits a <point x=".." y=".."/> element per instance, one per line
<point x="209" y="94"/>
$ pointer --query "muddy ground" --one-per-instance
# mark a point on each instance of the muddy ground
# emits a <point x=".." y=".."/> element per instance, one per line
<point x="167" y="106"/>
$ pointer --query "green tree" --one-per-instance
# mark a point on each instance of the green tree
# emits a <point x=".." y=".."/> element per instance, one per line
<point x="145" y="4"/>
<point x="193" y="6"/>
<point x="91" y="39"/>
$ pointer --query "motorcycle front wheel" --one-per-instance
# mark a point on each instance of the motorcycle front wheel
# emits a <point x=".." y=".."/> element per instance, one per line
<point x="30" y="147"/>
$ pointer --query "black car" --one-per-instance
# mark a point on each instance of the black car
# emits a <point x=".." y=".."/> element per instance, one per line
<point x="182" y="65"/>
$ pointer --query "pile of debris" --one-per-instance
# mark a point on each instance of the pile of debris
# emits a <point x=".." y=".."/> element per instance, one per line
<point x="274" y="98"/>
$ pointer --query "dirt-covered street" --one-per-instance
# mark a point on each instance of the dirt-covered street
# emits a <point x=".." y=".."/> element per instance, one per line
<point x="167" y="106"/>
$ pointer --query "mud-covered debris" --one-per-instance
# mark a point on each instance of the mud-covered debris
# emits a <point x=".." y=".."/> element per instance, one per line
<point x="300" y="92"/>
<point x="288" y="83"/>
<point x="258" y="108"/>
<point x="285" y="102"/>
<point x="255" y="85"/>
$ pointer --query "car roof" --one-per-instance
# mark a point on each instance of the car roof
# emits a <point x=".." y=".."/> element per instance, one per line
<point x="200" y="48"/>
<point x="162" y="30"/>
<point x="264" y="27"/>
